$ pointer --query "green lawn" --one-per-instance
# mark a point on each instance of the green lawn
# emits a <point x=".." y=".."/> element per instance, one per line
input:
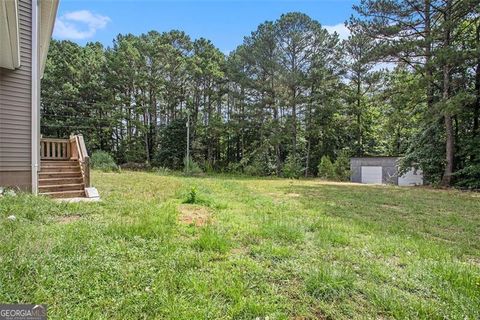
<point x="273" y="248"/>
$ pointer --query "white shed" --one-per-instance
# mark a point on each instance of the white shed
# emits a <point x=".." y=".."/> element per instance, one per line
<point x="382" y="170"/>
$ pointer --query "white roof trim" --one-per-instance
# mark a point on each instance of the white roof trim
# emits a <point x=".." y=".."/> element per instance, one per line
<point x="48" y="12"/>
<point x="9" y="35"/>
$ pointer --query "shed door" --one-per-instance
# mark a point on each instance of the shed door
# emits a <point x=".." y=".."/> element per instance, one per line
<point x="371" y="175"/>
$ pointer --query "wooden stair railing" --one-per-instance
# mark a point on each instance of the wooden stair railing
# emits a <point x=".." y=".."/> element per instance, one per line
<point x="79" y="151"/>
<point x="60" y="158"/>
<point x="54" y="149"/>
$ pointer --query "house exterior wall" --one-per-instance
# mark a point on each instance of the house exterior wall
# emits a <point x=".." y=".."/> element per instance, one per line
<point x="16" y="110"/>
<point x="388" y="164"/>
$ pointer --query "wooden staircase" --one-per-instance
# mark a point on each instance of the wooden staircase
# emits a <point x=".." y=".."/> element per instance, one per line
<point x="61" y="179"/>
<point x="64" y="170"/>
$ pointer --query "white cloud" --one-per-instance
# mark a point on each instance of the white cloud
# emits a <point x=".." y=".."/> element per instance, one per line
<point x="79" y="25"/>
<point x="340" y="29"/>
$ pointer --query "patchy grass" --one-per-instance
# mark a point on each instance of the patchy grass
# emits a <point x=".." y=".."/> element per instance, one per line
<point x="277" y="248"/>
<point x="211" y="240"/>
<point x="194" y="215"/>
<point x="329" y="283"/>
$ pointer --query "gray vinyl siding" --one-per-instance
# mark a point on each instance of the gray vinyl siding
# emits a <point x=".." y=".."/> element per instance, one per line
<point x="15" y="107"/>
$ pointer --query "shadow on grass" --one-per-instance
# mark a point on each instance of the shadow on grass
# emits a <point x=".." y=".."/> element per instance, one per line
<point x="448" y="219"/>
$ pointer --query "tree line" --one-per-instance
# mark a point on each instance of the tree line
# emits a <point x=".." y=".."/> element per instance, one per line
<point x="406" y="82"/>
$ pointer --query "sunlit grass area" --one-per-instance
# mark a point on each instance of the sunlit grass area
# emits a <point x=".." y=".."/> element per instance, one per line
<point x="246" y="248"/>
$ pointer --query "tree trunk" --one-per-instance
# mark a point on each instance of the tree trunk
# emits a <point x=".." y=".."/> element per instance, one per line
<point x="209" y="134"/>
<point x="476" y="108"/>
<point x="428" y="55"/>
<point x="450" y="138"/>
<point x="359" y="119"/>
<point x="449" y="148"/>
<point x="308" y="129"/>
<point x="147" y="149"/>
<point x="242" y="135"/>
<point x="276" y="138"/>
<point x="307" y="161"/>
<point x="294" y="122"/>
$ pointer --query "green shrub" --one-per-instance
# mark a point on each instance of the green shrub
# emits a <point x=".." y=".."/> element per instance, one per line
<point x="469" y="177"/>
<point x="254" y="169"/>
<point x="103" y="161"/>
<point x="191" y="196"/>
<point x="136" y="166"/>
<point x="292" y="167"/>
<point x="326" y="169"/>
<point x="234" y="167"/>
<point x="208" y="168"/>
<point x="342" y="166"/>
<point x="259" y="162"/>
<point x="190" y="167"/>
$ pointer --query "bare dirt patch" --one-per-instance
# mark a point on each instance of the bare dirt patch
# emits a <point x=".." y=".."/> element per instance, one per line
<point x="474" y="261"/>
<point x="68" y="219"/>
<point x="390" y="206"/>
<point x="293" y="195"/>
<point x="191" y="214"/>
<point x="343" y="183"/>
<point x="239" y="251"/>
<point x="273" y="194"/>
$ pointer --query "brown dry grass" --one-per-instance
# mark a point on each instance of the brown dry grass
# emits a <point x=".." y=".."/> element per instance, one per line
<point x="192" y="214"/>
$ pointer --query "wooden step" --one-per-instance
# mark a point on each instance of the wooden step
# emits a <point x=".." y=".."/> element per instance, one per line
<point x="65" y="194"/>
<point x="61" y="179"/>
<point x="60" y="169"/>
<point x="68" y="174"/>
<point x="62" y="187"/>
<point x="44" y="163"/>
<point x="53" y="181"/>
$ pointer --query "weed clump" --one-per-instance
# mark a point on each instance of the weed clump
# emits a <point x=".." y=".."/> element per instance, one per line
<point x="211" y="240"/>
<point x="329" y="283"/>
<point x="191" y="196"/>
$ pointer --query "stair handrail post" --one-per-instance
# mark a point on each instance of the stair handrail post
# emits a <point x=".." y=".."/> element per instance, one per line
<point x="73" y="147"/>
<point x="87" y="172"/>
<point x="81" y="143"/>
<point x="84" y="159"/>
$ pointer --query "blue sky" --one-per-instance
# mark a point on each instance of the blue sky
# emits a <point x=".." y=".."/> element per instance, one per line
<point x="225" y="22"/>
